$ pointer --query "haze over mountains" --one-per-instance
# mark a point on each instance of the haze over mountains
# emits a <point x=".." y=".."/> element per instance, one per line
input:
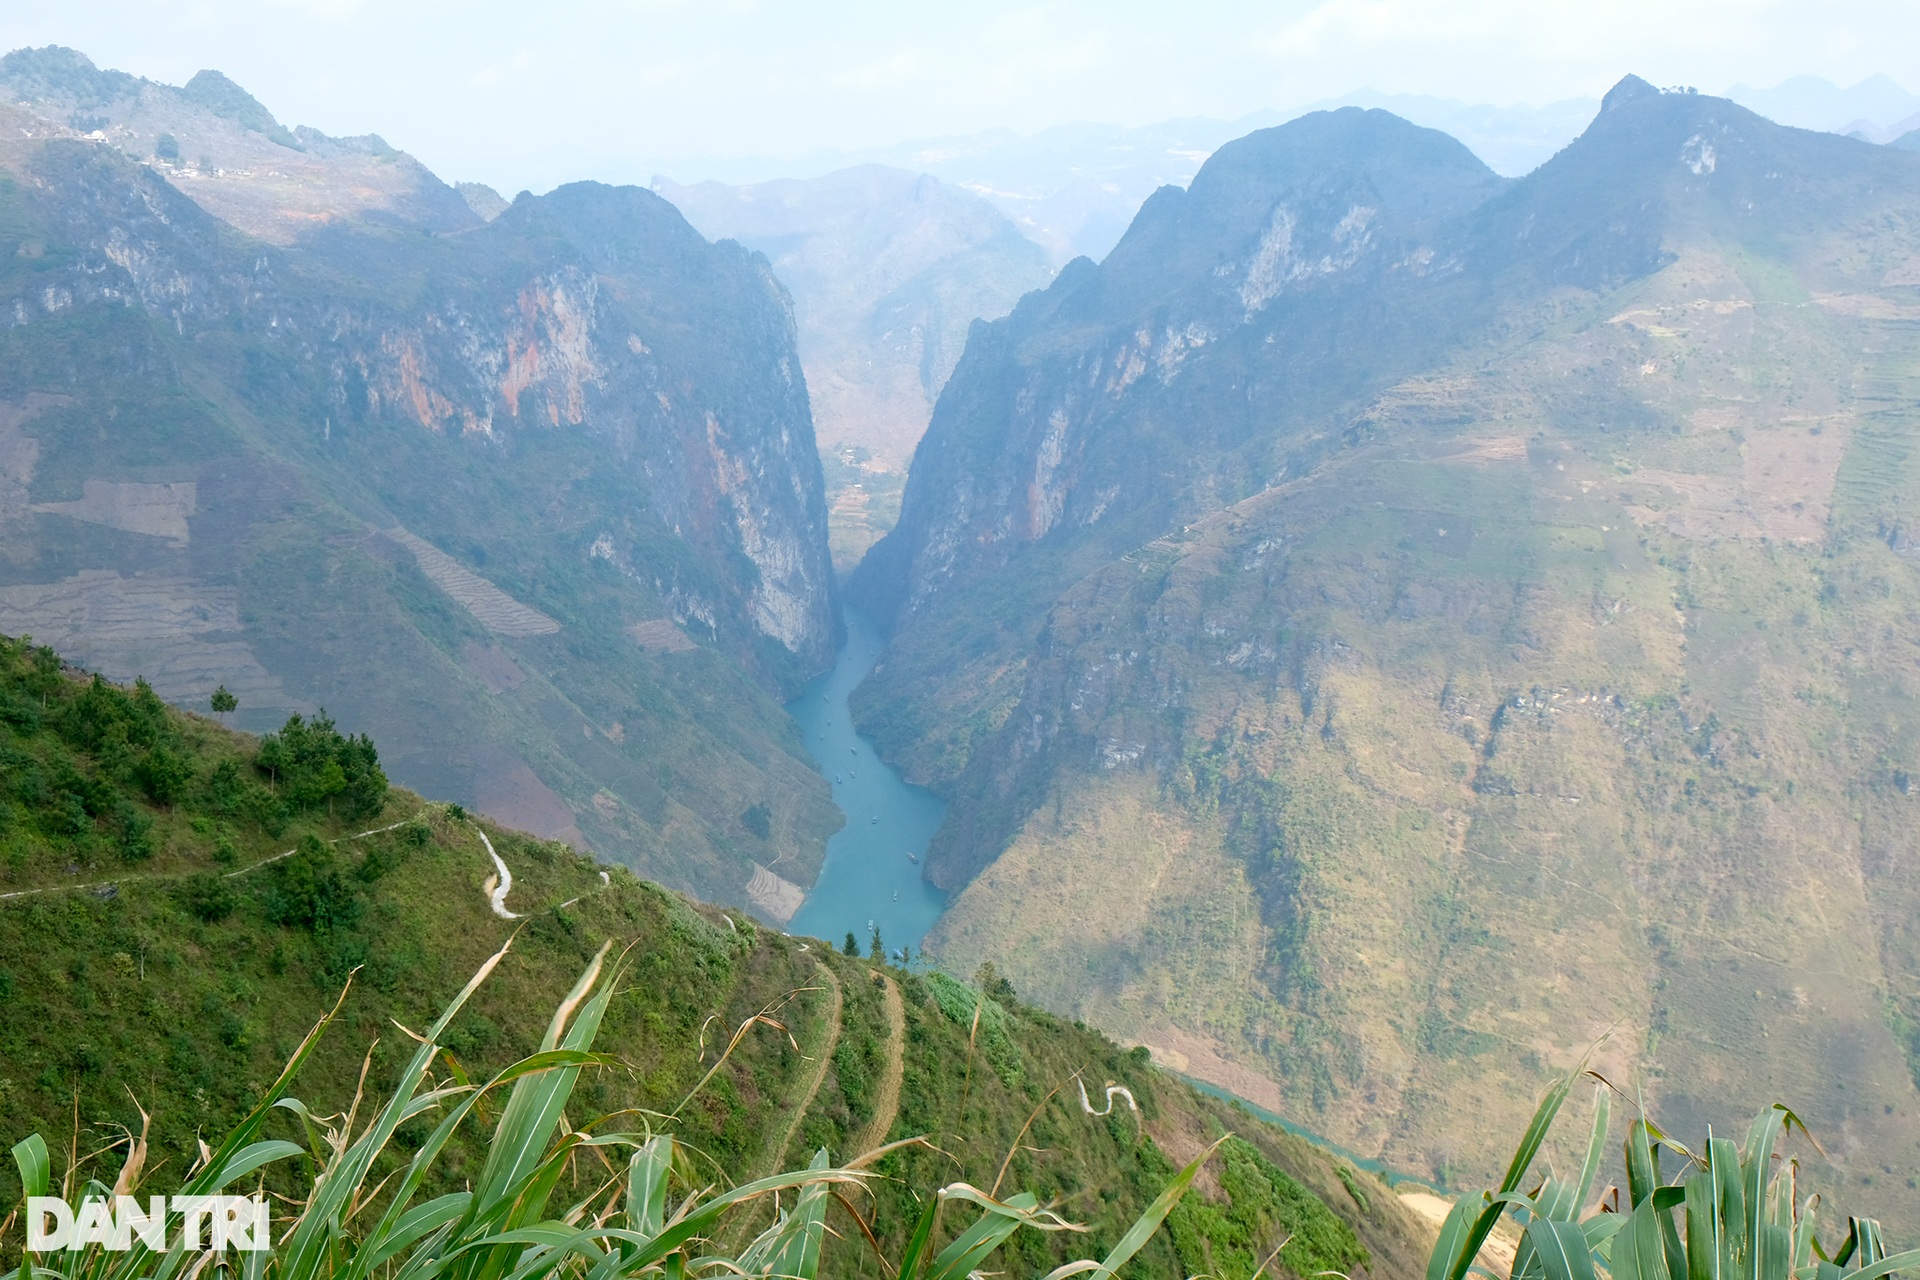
<point x="1389" y="622"/>
<point x="888" y="269"/>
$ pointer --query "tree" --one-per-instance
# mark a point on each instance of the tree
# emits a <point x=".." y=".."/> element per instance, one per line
<point x="991" y="985"/>
<point x="222" y="702"/>
<point x="875" y="949"/>
<point x="851" y="946"/>
<point x="166" y="147"/>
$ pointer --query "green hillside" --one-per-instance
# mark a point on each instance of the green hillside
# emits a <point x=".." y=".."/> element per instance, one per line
<point x="179" y="904"/>
<point x="1370" y="683"/>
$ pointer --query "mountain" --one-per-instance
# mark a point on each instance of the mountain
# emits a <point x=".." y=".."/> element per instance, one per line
<point x="215" y="142"/>
<point x="180" y="905"/>
<point x="1074" y="188"/>
<point x="1877" y="108"/>
<point x="1388" y="627"/>
<point x="534" y="500"/>
<point x="888" y="269"/>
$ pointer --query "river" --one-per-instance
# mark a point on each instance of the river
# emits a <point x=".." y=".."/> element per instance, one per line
<point x="872" y="871"/>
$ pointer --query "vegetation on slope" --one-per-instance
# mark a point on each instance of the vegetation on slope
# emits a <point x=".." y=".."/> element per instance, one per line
<point x="177" y="978"/>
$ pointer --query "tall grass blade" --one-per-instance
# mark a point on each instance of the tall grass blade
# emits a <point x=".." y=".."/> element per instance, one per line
<point x="1596" y="1142"/>
<point x="1561" y="1248"/>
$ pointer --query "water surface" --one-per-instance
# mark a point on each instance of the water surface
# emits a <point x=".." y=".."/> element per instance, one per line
<point x="872" y="871"/>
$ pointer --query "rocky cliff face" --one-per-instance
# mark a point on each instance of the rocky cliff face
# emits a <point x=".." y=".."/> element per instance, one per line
<point x="1489" y="634"/>
<point x="536" y="501"/>
<point x="1233" y="312"/>
<point x="888" y="270"/>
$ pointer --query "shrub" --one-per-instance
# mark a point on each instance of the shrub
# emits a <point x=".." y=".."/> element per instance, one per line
<point x="312" y="763"/>
<point x="307" y="890"/>
<point x="209" y="897"/>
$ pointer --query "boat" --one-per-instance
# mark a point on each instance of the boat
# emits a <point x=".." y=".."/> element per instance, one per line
<point x="913" y="858"/>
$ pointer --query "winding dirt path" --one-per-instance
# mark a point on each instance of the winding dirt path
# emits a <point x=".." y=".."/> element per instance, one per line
<point x="886" y="1104"/>
<point x="803" y="1098"/>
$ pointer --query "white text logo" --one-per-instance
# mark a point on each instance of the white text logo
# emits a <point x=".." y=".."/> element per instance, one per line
<point x="238" y="1222"/>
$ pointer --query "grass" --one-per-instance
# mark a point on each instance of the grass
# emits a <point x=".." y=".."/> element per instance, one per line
<point x="164" y="995"/>
<point x="528" y="1213"/>
<point x="1730" y="1209"/>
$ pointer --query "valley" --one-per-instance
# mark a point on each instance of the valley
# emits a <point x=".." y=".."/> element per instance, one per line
<point x="1379" y="634"/>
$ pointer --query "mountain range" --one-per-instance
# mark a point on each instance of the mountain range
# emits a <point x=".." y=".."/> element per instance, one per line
<point x="536" y="500"/>
<point x="1389" y="628"/>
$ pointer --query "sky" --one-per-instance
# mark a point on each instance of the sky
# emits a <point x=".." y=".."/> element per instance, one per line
<point x="524" y="95"/>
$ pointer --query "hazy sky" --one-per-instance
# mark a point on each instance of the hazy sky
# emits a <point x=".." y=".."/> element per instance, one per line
<point x="530" y="94"/>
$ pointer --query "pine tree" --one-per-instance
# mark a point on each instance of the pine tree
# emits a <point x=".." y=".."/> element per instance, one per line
<point x="851" y="946"/>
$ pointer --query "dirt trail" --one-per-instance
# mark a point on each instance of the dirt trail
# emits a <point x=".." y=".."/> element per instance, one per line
<point x="886" y="1104"/>
<point x="1496" y="1254"/>
<point x="803" y="1099"/>
<point x="117" y="881"/>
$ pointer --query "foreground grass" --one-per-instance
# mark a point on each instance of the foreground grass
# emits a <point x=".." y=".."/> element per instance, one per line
<point x="164" y="993"/>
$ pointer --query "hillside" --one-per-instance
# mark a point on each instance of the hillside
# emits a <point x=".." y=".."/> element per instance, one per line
<point x="180" y="903"/>
<point x="534" y="500"/>
<point x="888" y="270"/>
<point x="1386" y="627"/>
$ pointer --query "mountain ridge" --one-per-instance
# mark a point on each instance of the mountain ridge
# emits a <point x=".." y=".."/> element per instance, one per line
<point x="1427" y="728"/>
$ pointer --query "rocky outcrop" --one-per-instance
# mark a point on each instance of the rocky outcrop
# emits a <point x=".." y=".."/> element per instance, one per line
<point x="1095" y="402"/>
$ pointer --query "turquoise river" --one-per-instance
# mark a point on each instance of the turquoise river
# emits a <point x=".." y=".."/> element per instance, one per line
<point x="872" y="874"/>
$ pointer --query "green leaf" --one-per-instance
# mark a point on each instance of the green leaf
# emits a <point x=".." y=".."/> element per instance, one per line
<point x="916" y="1250"/>
<point x="1561" y="1248"/>
<point x="1637" y="1250"/>
<point x="1543" y="1118"/>
<point x="987" y="1233"/>
<point x="1156" y="1213"/>
<point x="1596" y="1143"/>
<point x="1887" y="1266"/>
<point x="30" y="1158"/>
<point x="647" y="1186"/>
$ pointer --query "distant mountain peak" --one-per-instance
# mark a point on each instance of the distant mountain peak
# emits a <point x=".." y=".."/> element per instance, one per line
<point x="1630" y="89"/>
<point x="217" y="93"/>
